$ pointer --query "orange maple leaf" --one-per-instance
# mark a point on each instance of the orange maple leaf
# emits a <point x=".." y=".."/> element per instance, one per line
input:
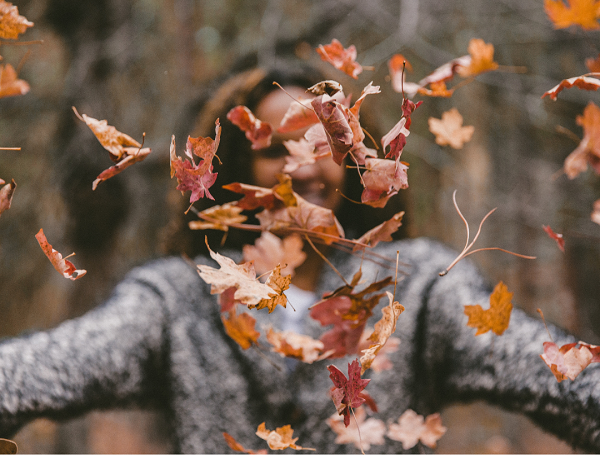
<point x="10" y="85"/>
<point x="449" y="130"/>
<point x="219" y="217"/>
<point x="6" y="194"/>
<point x="588" y="150"/>
<point x="584" y="13"/>
<point x="123" y="149"/>
<point x="412" y="428"/>
<point x="569" y="360"/>
<point x="241" y="328"/>
<point x="234" y="445"/>
<point x="497" y="317"/>
<point x="278" y="284"/>
<point x="61" y="264"/>
<point x="482" y="59"/>
<point x="269" y="250"/>
<point x="367" y="432"/>
<point x="340" y="58"/>
<point x="384" y="328"/>
<point x="256" y="131"/>
<point x="279" y="439"/>
<point x="11" y="23"/>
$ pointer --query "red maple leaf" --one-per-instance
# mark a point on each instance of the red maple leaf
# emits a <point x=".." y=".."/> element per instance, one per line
<point x="340" y="58"/>
<point x="560" y="241"/>
<point x="346" y="393"/>
<point x="197" y="178"/>
<point x="257" y="132"/>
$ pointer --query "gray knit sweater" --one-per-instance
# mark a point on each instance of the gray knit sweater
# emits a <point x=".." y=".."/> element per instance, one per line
<point x="159" y="341"/>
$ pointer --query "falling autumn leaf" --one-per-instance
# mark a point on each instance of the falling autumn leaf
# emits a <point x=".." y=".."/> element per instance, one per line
<point x="340" y="58"/>
<point x="299" y="115"/>
<point x="593" y="64"/>
<point x="123" y="149"/>
<point x="437" y="89"/>
<point x="560" y="241"/>
<point x="278" y="283"/>
<point x="302" y="153"/>
<point x="380" y="233"/>
<point x="62" y="265"/>
<point x="197" y="178"/>
<point x="412" y="428"/>
<point x="569" y="360"/>
<point x="396" y="66"/>
<point x="382" y="180"/>
<point x="243" y="277"/>
<point x="269" y="250"/>
<point x="384" y="328"/>
<point x="279" y="439"/>
<point x="367" y="432"/>
<point x="6" y="194"/>
<point x="234" y="445"/>
<point x="296" y="346"/>
<point x="449" y="130"/>
<point x="219" y="217"/>
<point x="346" y="392"/>
<point x="584" y="13"/>
<point x="241" y="328"/>
<point x="497" y="317"/>
<point x="11" y="23"/>
<point x="583" y="82"/>
<point x="257" y="132"/>
<point x="588" y="150"/>
<point x="482" y="59"/>
<point x="382" y="361"/>
<point x="10" y="85"/>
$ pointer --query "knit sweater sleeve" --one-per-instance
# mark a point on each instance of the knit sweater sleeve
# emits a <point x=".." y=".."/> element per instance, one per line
<point x="504" y="370"/>
<point x="113" y="355"/>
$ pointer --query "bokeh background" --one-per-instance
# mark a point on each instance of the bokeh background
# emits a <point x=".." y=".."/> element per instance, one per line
<point x="140" y="63"/>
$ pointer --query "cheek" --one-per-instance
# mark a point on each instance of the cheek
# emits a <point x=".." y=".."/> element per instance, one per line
<point x="265" y="170"/>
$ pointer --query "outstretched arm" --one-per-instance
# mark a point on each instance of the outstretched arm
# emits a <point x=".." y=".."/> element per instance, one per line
<point x="111" y="356"/>
<point x="504" y="370"/>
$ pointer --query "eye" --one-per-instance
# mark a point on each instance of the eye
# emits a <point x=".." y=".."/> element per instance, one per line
<point x="272" y="152"/>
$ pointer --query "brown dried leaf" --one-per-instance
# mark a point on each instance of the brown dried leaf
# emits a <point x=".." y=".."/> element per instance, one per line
<point x="62" y="265"/>
<point x="278" y="284"/>
<point x="279" y="439"/>
<point x="269" y="251"/>
<point x="497" y="317"/>
<point x="10" y="85"/>
<point x="296" y="346"/>
<point x="11" y="23"/>
<point x="221" y="217"/>
<point x="241" y="328"/>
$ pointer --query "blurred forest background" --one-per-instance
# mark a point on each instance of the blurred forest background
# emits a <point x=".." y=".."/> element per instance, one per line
<point x="140" y="63"/>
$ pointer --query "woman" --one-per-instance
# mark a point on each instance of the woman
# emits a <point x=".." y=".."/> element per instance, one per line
<point x="159" y="340"/>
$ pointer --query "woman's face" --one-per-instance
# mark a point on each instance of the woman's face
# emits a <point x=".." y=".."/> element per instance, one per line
<point x="316" y="182"/>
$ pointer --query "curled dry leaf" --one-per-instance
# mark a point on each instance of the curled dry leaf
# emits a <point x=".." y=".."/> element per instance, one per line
<point x="8" y="446"/>
<point x="219" y="217"/>
<point x="382" y="180"/>
<point x="588" y="150"/>
<point x="257" y="132"/>
<point x="269" y="251"/>
<point x="382" y="361"/>
<point x="197" y="178"/>
<point x="383" y="330"/>
<point x="584" y="13"/>
<point x="248" y="289"/>
<point x="449" y="130"/>
<point x="6" y="195"/>
<point x="299" y="115"/>
<point x="10" y="84"/>
<point x="296" y="346"/>
<point x="496" y="317"/>
<point x="340" y="58"/>
<point x="367" y="432"/>
<point x="569" y="360"/>
<point x="302" y="153"/>
<point x="11" y="23"/>
<point x="62" y="265"/>
<point x="412" y="428"/>
<point x="381" y="233"/>
<point x="241" y="328"/>
<point x="346" y="391"/>
<point x="279" y="439"/>
<point x="584" y="82"/>
<point x="123" y="149"/>
<point x="234" y="445"/>
<point x="325" y="87"/>
<point x="560" y="241"/>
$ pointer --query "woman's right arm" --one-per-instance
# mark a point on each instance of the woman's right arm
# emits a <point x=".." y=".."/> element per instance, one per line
<point x="111" y="356"/>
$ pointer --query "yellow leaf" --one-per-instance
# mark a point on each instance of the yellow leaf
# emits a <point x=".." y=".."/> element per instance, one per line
<point x="497" y="317"/>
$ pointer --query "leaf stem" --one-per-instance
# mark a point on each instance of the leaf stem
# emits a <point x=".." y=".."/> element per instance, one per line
<point x="326" y="260"/>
